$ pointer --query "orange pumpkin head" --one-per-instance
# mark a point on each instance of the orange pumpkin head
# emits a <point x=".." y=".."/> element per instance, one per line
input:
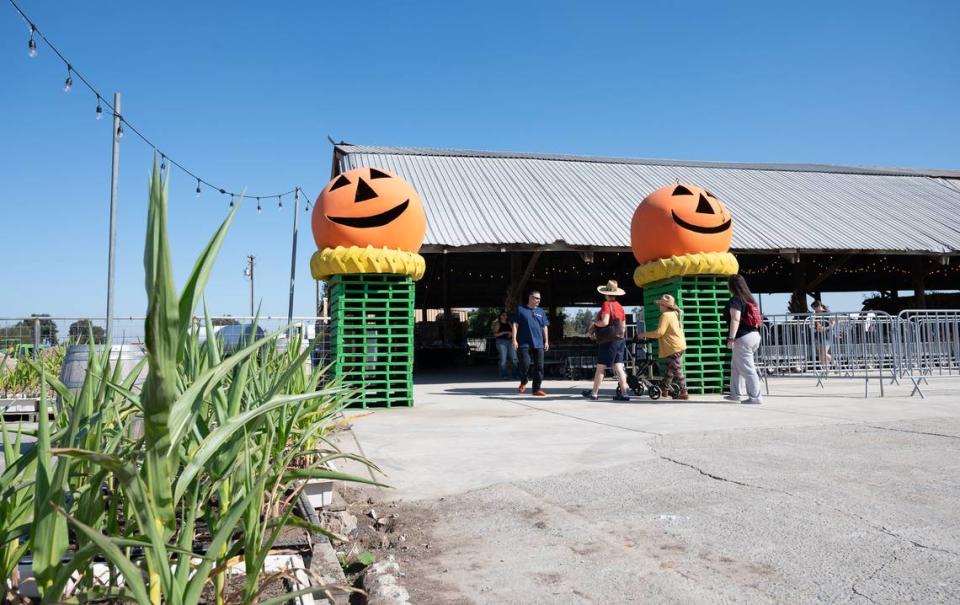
<point x="369" y="207"/>
<point x="679" y="219"/>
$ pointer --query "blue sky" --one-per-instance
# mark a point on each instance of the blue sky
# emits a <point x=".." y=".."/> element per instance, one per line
<point x="246" y="93"/>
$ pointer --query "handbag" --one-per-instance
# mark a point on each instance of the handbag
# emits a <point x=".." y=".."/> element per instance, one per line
<point x="615" y="330"/>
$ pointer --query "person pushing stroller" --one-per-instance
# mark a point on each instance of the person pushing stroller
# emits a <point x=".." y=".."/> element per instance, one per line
<point x="671" y="345"/>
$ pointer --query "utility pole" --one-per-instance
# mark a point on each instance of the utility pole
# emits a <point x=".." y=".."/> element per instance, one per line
<point x="293" y="259"/>
<point x="248" y="272"/>
<point x="112" y="245"/>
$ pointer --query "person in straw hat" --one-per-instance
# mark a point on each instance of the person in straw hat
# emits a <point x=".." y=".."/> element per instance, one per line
<point x="671" y="344"/>
<point x="609" y="330"/>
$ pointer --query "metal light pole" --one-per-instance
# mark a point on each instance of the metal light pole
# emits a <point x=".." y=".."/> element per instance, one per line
<point x="251" y="261"/>
<point x="112" y="246"/>
<point x="293" y="258"/>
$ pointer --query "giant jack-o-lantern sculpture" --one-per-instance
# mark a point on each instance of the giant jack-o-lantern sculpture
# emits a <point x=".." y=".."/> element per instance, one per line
<point x="678" y="230"/>
<point x="367" y="220"/>
<point x="369" y="225"/>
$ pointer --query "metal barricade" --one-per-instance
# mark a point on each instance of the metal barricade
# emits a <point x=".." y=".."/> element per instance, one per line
<point x="929" y="344"/>
<point x="856" y="345"/>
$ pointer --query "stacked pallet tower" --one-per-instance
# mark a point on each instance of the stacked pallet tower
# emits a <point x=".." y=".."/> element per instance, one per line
<point x="369" y="225"/>
<point x="680" y="235"/>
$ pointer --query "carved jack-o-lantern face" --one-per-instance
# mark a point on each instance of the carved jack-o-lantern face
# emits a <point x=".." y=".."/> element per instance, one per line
<point x="369" y="207"/>
<point x="679" y="219"/>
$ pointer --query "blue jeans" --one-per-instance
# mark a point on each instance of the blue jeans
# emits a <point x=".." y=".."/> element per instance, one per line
<point x="504" y="349"/>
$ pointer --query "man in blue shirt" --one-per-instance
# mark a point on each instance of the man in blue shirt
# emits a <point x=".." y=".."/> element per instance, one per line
<point x="530" y="339"/>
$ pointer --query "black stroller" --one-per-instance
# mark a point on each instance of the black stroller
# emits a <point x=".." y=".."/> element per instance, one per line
<point x="639" y="361"/>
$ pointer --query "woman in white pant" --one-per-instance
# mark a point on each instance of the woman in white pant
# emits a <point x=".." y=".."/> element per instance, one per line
<point x="744" y="340"/>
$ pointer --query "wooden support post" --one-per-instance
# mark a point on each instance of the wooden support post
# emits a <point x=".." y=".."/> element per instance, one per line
<point x="798" y="299"/>
<point x="919" y="272"/>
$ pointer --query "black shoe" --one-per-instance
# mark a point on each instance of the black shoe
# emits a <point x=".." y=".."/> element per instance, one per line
<point x="588" y="394"/>
<point x="619" y="397"/>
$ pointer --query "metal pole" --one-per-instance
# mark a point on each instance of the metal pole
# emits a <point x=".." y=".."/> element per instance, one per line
<point x="251" y="259"/>
<point x="114" y="176"/>
<point x="293" y="257"/>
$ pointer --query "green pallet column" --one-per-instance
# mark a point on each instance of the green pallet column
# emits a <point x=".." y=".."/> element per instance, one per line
<point x="371" y="337"/>
<point x="703" y="299"/>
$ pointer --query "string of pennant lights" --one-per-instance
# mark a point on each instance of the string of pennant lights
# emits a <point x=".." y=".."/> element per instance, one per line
<point x="166" y="161"/>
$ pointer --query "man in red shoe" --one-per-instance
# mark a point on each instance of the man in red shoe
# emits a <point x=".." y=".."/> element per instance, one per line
<point x="531" y="341"/>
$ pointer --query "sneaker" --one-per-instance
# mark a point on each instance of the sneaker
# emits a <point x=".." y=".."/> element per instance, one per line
<point x="753" y="401"/>
<point x="539" y="394"/>
<point x="588" y="394"/>
<point x="521" y="388"/>
<point x="734" y="398"/>
<point x="683" y="396"/>
<point x="621" y="398"/>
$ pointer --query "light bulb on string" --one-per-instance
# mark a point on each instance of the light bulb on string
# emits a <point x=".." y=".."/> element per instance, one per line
<point x="32" y="44"/>
<point x="99" y="108"/>
<point x="68" y="83"/>
<point x="279" y="201"/>
<point x="163" y="162"/>
<point x="259" y="209"/>
<point x="231" y="200"/>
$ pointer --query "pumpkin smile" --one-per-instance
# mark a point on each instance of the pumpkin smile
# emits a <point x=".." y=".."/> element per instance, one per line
<point x="698" y="229"/>
<point x="368" y="222"/>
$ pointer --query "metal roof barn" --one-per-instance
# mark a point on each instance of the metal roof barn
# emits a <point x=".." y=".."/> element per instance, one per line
<point x="477" y="200"/>
<point x="800" y="228"/>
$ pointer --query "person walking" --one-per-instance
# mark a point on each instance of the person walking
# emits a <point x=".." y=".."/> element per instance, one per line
<point x="609" y="329"/>
<point x="744" y="341"/>
<point x="671" y="343"/>
<point x="503" y="333"/>
<point x="531" y="341"/>
<point x="823" y="333"/>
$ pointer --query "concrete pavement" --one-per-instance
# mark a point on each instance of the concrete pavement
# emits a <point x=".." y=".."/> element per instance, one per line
<point x="818" y="495"/>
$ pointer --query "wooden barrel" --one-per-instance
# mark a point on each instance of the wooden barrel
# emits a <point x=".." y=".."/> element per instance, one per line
<point x="75" y="363"/>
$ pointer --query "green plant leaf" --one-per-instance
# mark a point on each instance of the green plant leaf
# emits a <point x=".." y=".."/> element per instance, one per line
<point x="131" y="573"/>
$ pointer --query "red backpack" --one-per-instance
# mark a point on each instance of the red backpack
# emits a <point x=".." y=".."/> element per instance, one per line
<point x="751" y="317"/>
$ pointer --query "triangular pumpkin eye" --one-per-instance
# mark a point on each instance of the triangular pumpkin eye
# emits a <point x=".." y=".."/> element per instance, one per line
<point x="681" y="190"/>
<point x="709" y="194"/>
<point x="376" y="174"/>
<point x="704" y="207"/>
<point x="341" y="182"/>
<point x="364" y="192"/>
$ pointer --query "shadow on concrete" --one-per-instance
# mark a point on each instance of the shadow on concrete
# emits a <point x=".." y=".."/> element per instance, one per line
<point x="573" y="394"/>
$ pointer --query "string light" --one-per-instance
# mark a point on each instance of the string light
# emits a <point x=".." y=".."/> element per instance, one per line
<point x="32" y="44"/>
<point x="72" y="73"/>
<point x="258" y="206"/>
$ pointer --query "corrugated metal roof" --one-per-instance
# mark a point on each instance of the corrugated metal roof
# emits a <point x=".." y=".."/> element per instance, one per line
<point x="487" y="199"/>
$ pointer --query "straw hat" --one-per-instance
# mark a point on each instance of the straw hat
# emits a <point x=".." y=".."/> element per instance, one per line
<point x="611" y="289"/>
<point x="667" y="301"/>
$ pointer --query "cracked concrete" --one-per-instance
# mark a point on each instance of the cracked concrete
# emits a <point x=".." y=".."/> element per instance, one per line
<point x="816" y="496"/>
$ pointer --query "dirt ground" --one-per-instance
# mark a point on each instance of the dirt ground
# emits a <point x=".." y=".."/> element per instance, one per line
<point x="402" y="530"/>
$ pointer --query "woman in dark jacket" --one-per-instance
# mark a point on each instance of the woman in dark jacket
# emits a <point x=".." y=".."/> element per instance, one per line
<point x="744" y="341"/>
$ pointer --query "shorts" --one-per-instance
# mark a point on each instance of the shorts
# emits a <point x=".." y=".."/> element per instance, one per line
<point x="609" y="353"/>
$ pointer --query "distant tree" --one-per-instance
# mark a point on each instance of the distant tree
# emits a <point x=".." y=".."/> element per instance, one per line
<point x="479" y="321"/>
<point x="581" y="323"/>
<point x="224" y="321"/>
<point x="79" y="332"/>
<point x="22" y="331"/>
